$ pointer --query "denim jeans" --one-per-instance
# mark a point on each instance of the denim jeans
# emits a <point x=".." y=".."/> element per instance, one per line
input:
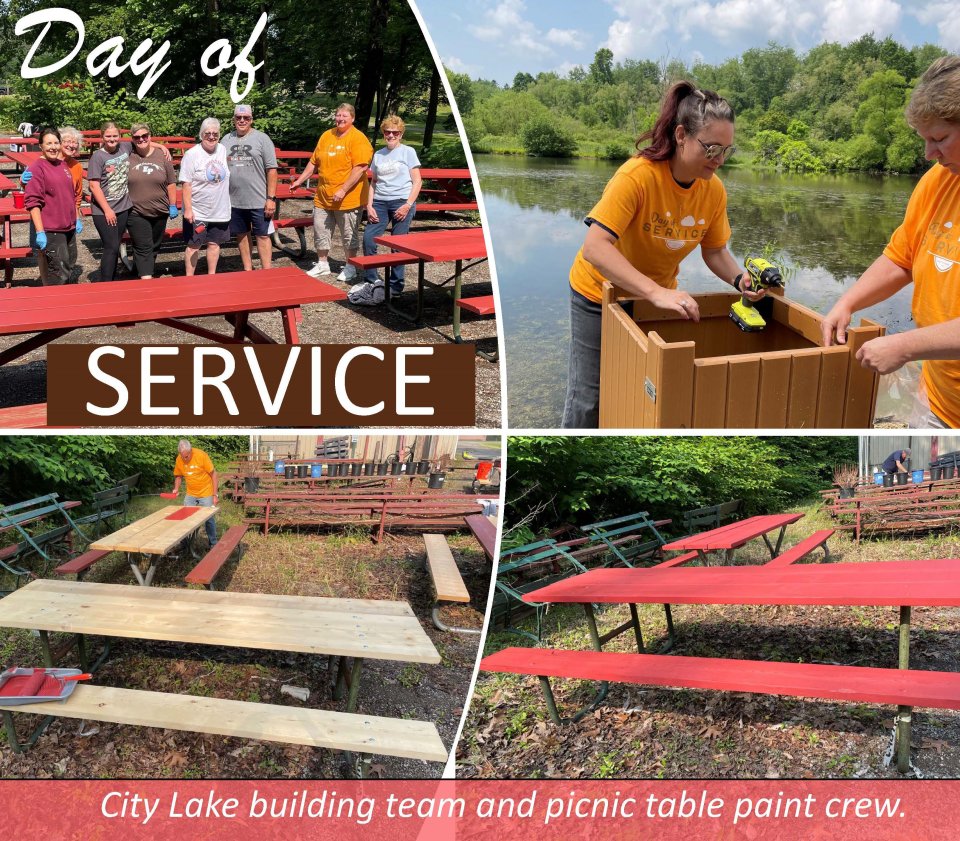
<point x="211" y="524"/>
<point x="581" y="410"/>
<point x="385" y="210"/>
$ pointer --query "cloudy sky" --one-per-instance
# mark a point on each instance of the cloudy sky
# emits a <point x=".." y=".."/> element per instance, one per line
<point x="495" y="39"/>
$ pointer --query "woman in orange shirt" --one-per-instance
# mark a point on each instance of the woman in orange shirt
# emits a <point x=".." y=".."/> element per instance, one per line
<point x="658" y="207"/>
<point x="924" y="251"/>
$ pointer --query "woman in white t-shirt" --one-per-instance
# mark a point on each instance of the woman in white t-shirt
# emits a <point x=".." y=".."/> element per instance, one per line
<point x="392" y="199"/>
<point x="205" y="177"/>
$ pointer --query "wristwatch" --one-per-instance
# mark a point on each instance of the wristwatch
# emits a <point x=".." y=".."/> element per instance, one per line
<point x="736" y="281"/>
<point x="271" y="198"/>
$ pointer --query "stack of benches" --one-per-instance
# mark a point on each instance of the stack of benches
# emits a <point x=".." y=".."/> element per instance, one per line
<point x="923" y="508"/>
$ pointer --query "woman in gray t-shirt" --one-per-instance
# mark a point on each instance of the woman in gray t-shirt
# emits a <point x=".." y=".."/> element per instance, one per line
<point x="107" y="176"/>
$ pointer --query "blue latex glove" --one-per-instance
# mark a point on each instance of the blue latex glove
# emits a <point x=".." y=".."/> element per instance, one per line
<point x="41" y="240"/>
<point x="79" y="226"/>
<point x="25" y="177"/>
<point x="173" y="211"/>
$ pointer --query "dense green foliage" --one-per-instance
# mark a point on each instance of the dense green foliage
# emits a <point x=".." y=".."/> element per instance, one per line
<point x="369" y="52"/>
<point x="77" y="466"/>
<point x="543" y="139"/>
<point x="835" y="108"/>
<point x="583" y="480"/>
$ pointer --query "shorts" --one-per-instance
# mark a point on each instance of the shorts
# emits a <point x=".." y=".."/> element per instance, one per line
<point x="215" y="233"/>
<point x="346" y="221"/>
<point x="243" y="219"/>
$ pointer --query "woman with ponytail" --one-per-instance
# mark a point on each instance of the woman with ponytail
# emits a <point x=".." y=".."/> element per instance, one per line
<point x="658" y="207"/>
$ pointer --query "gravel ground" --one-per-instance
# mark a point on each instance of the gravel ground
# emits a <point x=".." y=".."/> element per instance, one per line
<point x="24" y="381"/>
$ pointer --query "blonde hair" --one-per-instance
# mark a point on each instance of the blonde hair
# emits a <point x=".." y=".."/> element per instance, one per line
<point x="937" y="94"/>
<point x="346" y="106"/>
<point x="392" y="122"/>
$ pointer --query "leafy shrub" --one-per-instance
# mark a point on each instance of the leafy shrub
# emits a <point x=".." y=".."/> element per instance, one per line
<point x="542" y="138"/>
<point x="767" y="142"/>
<point x="795" y="155"/>
<point x="615" y="151"/>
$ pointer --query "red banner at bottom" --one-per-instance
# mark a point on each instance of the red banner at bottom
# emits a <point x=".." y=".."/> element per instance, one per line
<point x="434" y="811"/>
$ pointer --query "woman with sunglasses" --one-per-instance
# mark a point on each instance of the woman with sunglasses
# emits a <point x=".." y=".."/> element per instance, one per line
<point x="205" y="176"/>
<point x="50" y="197"/>
<point x="658" y="207"/>
<point x="395" y="184"/>
<point x="152" y="183"/>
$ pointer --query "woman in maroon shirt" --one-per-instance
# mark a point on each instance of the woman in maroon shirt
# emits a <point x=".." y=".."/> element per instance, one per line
<point x="51" y="200"/>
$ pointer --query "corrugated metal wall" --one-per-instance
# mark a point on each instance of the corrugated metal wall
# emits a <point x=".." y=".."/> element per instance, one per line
<point x="875" y="448"/>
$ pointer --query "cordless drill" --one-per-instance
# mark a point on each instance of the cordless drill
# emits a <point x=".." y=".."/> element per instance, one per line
<point x="763" y="275"/>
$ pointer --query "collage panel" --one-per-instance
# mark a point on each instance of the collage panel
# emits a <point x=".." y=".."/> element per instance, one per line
<point x="288" y="195"/>
<point x="759" y="252"/>
<point x="723" y="608"/>
<point x="249" y="607"/>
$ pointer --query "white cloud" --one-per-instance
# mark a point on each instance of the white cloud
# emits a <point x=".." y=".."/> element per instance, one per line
<point x="944" y="16"/>
<point x="844" y="21"/>
<point x="451" y="62"/>
<point x="565" y="38"/>
<point x="531" y="43"/>
<point x="485" y="33"/>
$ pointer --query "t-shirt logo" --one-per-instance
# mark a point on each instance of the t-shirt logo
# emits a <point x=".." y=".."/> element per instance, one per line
<point x="240" y="153"/>
<point x="674" y="235"/>
<point x="943" y="246"/>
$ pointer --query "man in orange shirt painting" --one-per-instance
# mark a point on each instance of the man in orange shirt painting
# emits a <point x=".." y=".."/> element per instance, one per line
<point x="195" y="466"/>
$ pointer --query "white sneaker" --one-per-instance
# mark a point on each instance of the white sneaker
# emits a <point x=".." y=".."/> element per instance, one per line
<point x="321" y="267"/>
<point x="349" y="273"/>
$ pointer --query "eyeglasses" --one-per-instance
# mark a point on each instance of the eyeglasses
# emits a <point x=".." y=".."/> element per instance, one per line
<point x="712" y="151"/>
<point x="242" y="118"/>
<point x="391" y="133"/>
<point x="141" y="138"/>
<point x="211" y="134"/>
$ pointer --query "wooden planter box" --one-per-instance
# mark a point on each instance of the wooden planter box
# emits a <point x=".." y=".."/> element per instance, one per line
<point x="658" y="371"/>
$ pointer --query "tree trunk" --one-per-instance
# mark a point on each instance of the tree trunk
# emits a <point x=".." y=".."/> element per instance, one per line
<point x="373" y="63"/>
<point x="431" y="120"/>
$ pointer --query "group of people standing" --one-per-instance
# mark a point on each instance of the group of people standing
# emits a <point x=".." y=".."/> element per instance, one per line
<point x="229" y="189"/>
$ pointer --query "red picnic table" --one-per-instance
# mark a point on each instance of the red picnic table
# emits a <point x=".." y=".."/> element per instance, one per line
<point x="21" y="159"/>
<point x="53" y="311"/>
<point x="734" y="535"/>
<point x="903" y="584"/>
<point x="447" y="245"/>
<point x="7" y="184"/>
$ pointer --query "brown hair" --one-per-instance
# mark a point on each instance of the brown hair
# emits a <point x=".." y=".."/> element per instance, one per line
<point x="684" y="105"/>
<point x="937" y="94"/>
<point x="392" y="122"/>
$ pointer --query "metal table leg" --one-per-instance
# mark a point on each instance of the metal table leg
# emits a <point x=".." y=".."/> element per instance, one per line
<point x="904" y="713"/>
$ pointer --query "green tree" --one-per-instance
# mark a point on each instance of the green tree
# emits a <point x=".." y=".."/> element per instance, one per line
<point x="542" y="138"/>
<point x="601" y="68"/>
<point x="882" y="105"/>
<point x="522" y="81"/>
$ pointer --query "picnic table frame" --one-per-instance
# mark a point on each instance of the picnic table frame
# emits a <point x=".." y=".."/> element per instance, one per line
<point x="901" y="584"/>
<point x="19" y="514"/>
<point x="154" y="536"/>
<point x="50" y="312"/>
<point x="732" y="536"/>
<point x="454" y="245"/>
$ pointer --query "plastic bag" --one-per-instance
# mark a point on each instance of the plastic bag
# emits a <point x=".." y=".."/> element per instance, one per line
<point x="902" y="398"/>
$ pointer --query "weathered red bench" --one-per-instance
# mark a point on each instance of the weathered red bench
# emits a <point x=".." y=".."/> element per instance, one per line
<point x="8" y="253"/>
<point x="33" y="416"/>
<point x="446" y="207"/>
<point x="485" y="530"/>
<point x="211" y="564"/>
<point x="903" y="687"/>
<point x="481" y="305"/>
<point x="79" y="565"/>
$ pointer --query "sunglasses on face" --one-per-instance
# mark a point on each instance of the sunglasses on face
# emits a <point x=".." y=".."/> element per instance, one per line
<point x="243" y="119"/>
<point x="712" y="151"/>
<point x="391" y="133"/>
<point x="141" y="138"/>
<point x="211" y="134"/>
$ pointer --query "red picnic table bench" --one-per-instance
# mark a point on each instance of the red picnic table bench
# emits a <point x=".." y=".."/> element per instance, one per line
<point x="902" y="584"/>
<point x="54" y="311"/>
<point x="21" y="159"/>
<point x="730" y="537"/>
<point x="10" y="216"/>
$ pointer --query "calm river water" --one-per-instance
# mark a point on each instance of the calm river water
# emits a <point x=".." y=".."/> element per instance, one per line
<point x="827" y="228"/>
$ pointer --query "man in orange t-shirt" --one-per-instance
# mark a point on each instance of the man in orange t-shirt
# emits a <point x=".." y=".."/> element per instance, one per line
<point x="340" y="160"/>
<point x="195" y="466"/>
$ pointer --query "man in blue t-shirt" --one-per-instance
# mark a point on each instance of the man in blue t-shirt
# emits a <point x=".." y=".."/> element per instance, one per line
<point x="896" y="462"/>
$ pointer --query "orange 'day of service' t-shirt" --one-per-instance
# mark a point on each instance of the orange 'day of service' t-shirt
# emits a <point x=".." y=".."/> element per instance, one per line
<point x="197" y="473"/>
<point x="657" y="222"/>
<point x="927" y="244"/>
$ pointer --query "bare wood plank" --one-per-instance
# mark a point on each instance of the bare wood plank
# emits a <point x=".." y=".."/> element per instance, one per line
<point x="447" y="582"/>
<point x="709" y="394"/>
<point x="743" y="382"/>
<point x="245" y="719"/>
<point x="774" y="389"/>
<point x="833" y="387"/>
<point x="861" y="382"/>
<point x="804" y="389"/>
